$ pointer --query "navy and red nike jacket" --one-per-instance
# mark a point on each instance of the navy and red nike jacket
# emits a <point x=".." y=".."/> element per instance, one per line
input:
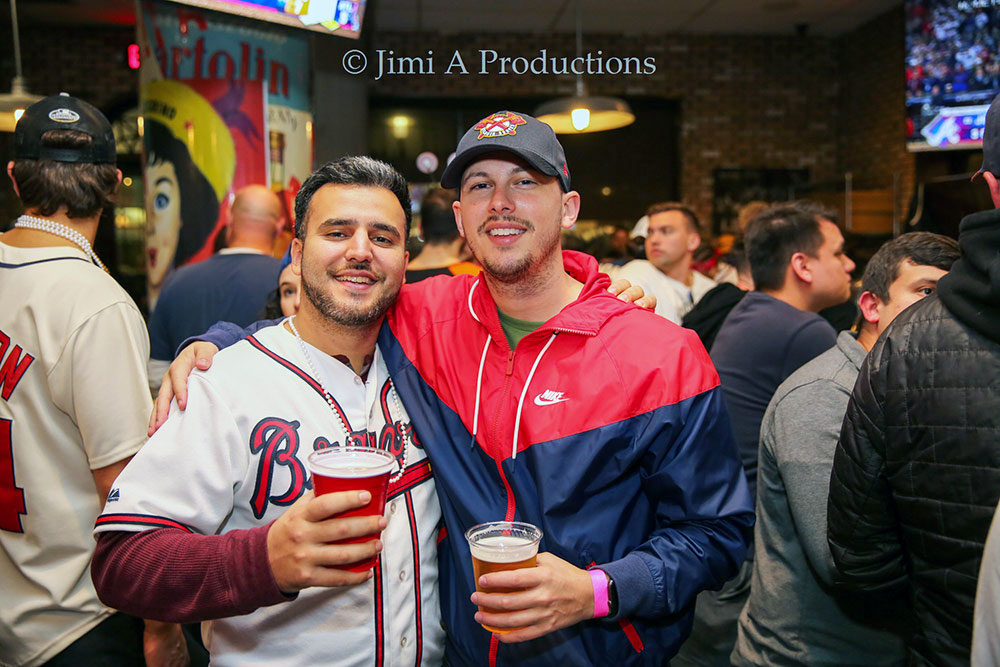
<point x="605" y="427"/>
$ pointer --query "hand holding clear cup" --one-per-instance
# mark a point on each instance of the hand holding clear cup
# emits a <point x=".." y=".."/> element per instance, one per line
<point x="500" y="546"/>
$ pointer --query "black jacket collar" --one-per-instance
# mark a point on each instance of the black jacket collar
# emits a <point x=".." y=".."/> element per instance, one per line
<point x="971" y="290"/>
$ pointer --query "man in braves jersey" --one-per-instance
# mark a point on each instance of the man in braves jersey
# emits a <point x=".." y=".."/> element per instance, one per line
<point x="215" y="521"/>
<point x="534" y="403"/>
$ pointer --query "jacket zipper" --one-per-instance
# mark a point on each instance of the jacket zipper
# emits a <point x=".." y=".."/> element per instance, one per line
<point x="494" y="642"/>
<point x="503" y="396"/>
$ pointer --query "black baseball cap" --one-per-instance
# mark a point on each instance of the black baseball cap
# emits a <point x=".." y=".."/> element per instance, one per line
<point x="513" y="132"/>
<point x="64" y="112"/>
<point x="991" y="140"/>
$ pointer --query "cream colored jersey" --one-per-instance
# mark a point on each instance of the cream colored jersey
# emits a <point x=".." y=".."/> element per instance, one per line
<point x="235" y="458"/>
<point x="73" y="398"/>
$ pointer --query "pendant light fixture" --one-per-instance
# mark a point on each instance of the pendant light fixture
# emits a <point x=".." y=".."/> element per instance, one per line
<point x="582" y="112"/>
<point x="13" y="104"/>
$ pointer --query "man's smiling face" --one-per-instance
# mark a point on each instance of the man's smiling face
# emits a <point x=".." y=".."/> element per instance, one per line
<point x="353" y="258"/>
<point x="510" y="215"/>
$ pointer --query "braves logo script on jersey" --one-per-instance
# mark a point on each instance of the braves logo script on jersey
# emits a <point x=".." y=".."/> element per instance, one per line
<point x="236" y="458"/>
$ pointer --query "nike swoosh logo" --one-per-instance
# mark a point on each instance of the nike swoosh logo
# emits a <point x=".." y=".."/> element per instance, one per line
<point x="548" y="401"/>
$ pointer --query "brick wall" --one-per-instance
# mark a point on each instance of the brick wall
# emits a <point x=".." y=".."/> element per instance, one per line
<point x="745" y="101"/>
<point x="86" y="61"/>
<point x="871" y="132"/>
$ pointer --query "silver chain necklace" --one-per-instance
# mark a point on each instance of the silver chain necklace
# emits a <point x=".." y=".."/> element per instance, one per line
<point x="59" y="229"/>
<point x="404" y="433"/>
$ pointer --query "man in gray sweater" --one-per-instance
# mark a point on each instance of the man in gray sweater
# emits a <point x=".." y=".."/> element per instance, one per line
<point x="794" y="615"/>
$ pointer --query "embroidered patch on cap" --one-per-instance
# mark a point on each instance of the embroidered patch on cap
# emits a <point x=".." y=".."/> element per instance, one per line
<point x="500" y="124"/>
<point x="64" y="115"/>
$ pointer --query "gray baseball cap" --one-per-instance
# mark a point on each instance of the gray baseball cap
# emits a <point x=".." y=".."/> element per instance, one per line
<point x="512" y="132"/>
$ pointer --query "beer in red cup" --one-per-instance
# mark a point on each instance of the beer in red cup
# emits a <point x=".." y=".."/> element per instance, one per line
<point x="354" y="468"/>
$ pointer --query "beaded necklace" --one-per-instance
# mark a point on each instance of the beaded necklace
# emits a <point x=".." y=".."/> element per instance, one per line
<point x="333" y="408"/>
<point x="59" y="229"/>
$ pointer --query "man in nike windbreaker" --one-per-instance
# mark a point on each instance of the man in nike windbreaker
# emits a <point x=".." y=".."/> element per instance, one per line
<point x="540" y="397"/>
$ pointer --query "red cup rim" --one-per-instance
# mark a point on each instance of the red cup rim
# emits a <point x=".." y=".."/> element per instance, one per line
<point x="318" y="466"/>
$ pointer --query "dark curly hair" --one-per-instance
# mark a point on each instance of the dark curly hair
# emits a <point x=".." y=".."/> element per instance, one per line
<point x="46" y="185"/>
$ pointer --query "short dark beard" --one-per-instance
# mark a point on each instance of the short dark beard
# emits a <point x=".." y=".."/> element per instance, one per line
<point x="522" y="271"/>
<point x="509" y="274"/>
<point x="334" y="312"/>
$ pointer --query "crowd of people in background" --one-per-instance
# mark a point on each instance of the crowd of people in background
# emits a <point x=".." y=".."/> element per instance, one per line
<point x="951" y="49"/>
<point x="798" y="466"/>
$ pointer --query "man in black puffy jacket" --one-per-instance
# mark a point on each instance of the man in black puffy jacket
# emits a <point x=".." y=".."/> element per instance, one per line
<point x="916" y="474"/>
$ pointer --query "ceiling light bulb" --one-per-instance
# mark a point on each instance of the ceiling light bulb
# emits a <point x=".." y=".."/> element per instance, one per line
<point x="400" y="126"/>
<point x="581" y="119"/>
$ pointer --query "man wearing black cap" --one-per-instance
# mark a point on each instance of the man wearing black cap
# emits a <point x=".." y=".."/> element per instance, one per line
<point x="73" y="395"/>
<point x="916" y="475"/>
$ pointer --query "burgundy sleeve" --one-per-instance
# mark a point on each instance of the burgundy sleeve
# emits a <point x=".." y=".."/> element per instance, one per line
<point x="171" y="575"/>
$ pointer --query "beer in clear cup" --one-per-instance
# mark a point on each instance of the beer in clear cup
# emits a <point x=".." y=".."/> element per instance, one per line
<point x="500" y="546"/>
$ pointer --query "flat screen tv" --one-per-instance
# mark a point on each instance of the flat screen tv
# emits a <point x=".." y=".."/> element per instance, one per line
<point x="952" y="71"/>
<point x="338" y="17"/>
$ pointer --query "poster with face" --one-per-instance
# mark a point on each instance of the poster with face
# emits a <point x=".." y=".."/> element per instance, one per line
<point x="202" y="141"/>
<point x="224" y="104"/>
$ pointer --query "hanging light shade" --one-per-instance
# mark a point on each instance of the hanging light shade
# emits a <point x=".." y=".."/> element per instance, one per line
<point x="13" y="104"/>
<point x="584" y="113"/>
<point x="581" y="112"/>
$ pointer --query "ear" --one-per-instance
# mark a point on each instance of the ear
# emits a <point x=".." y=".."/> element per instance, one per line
<point x="801" y="268"/>
<point x="10" y="174"/>
<point x="694" y="240"/>
<point x="297" y="256"/>
<point x="456" y="207"/>
<point x="570" y="209"/>
<point x="994" y="186"/>
<point x="870" y="305"/>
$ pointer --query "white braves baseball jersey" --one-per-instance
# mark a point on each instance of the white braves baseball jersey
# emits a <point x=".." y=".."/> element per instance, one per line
<point x="73" y="398"/>
<point x="236" y="458"/>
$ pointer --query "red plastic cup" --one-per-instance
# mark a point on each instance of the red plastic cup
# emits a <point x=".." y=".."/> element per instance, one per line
<point x="354" y="468"/>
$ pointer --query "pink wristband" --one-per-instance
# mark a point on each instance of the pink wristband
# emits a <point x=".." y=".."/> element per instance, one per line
<point x="600" y="582"/>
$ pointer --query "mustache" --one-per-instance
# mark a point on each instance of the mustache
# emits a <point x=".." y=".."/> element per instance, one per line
<point x="506" y="218"/>
<point x="356" y="266"/>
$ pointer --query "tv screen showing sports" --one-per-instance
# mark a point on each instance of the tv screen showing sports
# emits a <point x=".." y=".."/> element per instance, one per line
<point x="337" y="17"/>
<point x="952" y="71"/>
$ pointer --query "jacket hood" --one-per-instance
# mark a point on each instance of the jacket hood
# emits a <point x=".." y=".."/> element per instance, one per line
<point x="586" y="315"/>
<point x="971" y="290"/>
